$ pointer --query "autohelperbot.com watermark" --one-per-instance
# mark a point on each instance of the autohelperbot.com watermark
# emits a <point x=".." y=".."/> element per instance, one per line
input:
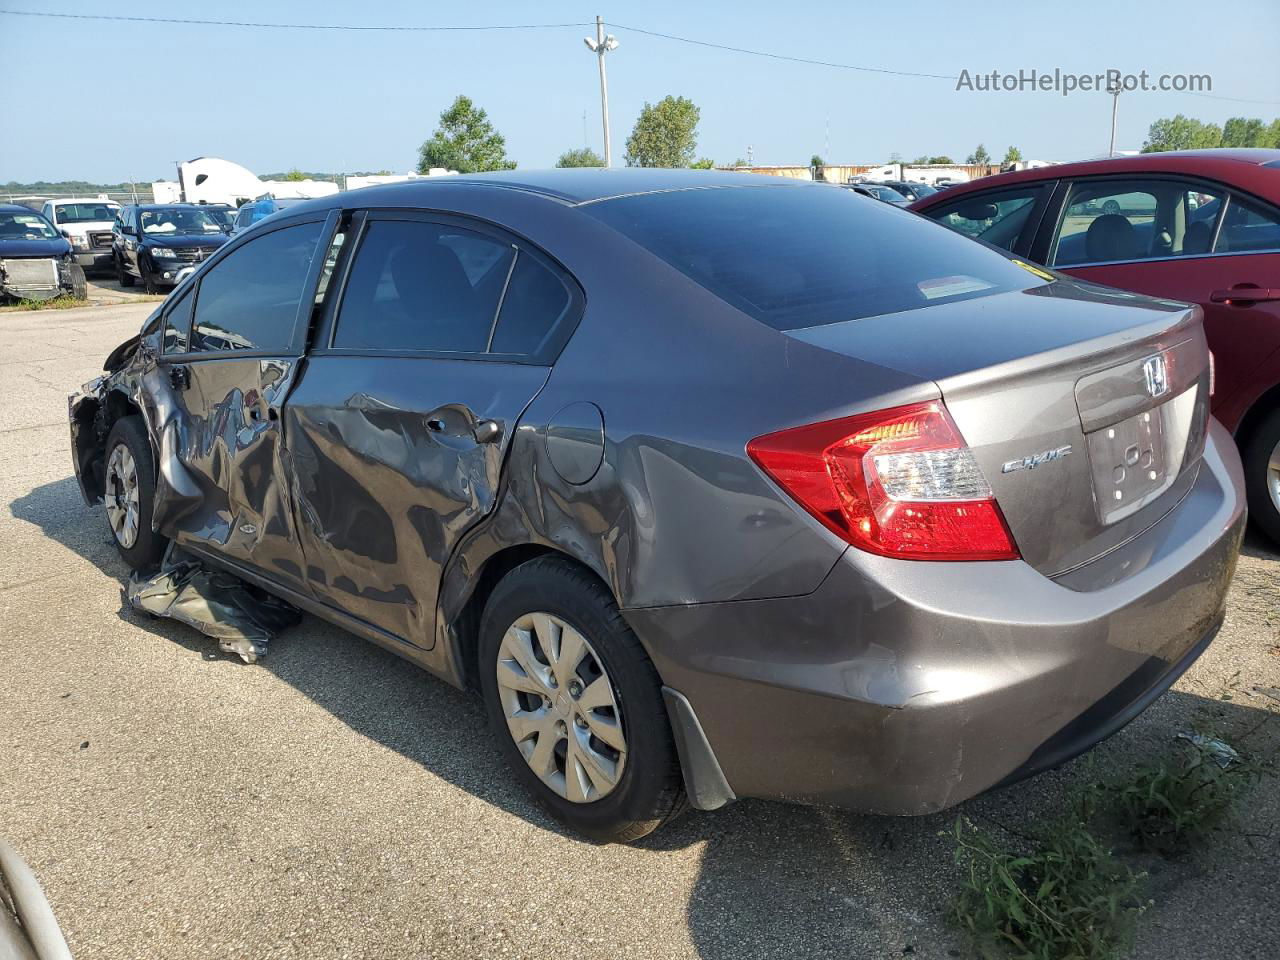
<point x="1065" y="83"/>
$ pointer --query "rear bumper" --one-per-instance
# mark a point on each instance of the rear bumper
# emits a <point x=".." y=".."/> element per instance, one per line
<point x="902" y="687"/>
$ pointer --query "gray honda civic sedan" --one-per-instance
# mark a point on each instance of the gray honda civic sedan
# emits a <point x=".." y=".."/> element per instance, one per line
<point x="712" y="485"/>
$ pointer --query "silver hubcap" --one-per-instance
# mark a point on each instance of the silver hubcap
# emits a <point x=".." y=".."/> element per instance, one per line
<point x="122" y="496"/>
<point x="1273" y="477"/>
<point x="561" y="708"/>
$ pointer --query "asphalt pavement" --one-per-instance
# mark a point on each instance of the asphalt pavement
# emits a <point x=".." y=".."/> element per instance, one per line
<point x="334" y="801"/>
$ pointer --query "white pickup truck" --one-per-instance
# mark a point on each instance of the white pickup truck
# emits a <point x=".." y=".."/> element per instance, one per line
<point x="86" y="222"/>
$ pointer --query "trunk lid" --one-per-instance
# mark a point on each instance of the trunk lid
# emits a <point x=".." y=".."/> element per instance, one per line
<point x="1085" y="407"/>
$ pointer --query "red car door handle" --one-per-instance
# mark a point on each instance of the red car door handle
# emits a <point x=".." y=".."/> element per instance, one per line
<point x="1244" y="293"/>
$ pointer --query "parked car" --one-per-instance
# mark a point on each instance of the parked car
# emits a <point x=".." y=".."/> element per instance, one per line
<point x="878" y="192"/>
<point x="260" y="209"/>
<point x="154" y="242"/>
<point x="223" y="213"/>
<point x="910" y="189"/>
<point x="1201" y="226"/>
<point x="696" y="511"/>
<point x="86" y="222"/>
<point x="36" y="262"/>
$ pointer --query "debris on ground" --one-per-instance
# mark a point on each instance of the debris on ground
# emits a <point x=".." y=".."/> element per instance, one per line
<point x="242" y="618"/>
<point x="1220" y="752"/>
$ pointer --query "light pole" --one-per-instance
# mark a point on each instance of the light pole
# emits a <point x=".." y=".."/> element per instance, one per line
<point x="1114" y="89"/>
<point x="601" y="45"/>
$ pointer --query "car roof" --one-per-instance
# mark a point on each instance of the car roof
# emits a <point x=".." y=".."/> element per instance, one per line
<point x="572" y="186"/>
<point x="17" y="208"/>
<point x="1243" y="167"/>
<point x="82" y="200"/>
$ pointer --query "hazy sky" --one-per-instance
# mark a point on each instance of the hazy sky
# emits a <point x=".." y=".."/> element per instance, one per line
<point x="106" y="101"/>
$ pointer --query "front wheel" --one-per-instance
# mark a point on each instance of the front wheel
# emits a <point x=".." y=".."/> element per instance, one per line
<point x="129" y="491"/>
<point x="122" y="274"/>
<point x="79" y="285"/>
<point x="1262" y="475"/>
<point x="148" y="278"/>
<point x="576" y="704"/>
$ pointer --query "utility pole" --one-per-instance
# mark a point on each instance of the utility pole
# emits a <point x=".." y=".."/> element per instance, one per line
<point x="751" y="155"/>
<point x="1114" y="89"/>
<point x="601" y="45"/>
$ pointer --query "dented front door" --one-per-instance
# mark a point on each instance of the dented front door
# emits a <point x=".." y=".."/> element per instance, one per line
<point x="224" y="484"/>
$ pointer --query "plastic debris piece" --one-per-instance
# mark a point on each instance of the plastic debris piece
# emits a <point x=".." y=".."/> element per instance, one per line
<point x="242" y="618"/>
<point x="1221" y="752"/>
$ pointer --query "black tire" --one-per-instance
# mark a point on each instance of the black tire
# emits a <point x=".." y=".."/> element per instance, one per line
<point x="1257" y="455"/>
<point x="148" y="278"/>
<point x="123" y="275"/>
<point x="79" y="285"/>
<point x="148" y="548"/>
<point x="650" y="790"/>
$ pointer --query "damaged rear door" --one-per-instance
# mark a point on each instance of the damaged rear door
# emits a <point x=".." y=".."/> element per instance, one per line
<point x="442" y="333"/>
<point x="231" y="355"/>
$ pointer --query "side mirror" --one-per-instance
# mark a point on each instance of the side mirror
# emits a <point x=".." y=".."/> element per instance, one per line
<point x="227" y="228"/>
<point x="128" y="231"/>
<point x="978" y="211"/>
<point x="65" y="234"/>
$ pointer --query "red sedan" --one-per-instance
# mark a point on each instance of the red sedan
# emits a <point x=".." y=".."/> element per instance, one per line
<point x="1201" y="226"/>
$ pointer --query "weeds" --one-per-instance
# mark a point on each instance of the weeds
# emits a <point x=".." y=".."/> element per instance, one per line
<point x="60" y="302"/>
<point x="1066" y="898"/>
<point x="1169" y="805"/>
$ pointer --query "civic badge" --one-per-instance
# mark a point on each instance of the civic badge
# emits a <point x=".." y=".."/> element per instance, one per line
<point x="1156" y="375"/>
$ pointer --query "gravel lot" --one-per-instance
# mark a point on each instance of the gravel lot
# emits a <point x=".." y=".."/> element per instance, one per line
<point x="333" y="801"/>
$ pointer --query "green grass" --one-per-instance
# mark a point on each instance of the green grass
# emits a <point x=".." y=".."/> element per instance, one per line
<point x="1064" y="898"/>
<point x="61" y="302"/>
<point x="1172" y="804"/>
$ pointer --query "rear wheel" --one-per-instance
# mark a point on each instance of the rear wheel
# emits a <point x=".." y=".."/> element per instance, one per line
<point x="1262" y="475"/>
<point x="129" y="491"/>
<point x="123" y="275"/>
<point x="576" y="704"/>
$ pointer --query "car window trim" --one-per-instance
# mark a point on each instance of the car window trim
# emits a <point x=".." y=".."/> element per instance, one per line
<point x="306" y="303"/>
<point x="558" y="336"/>
<point x="1046" y="241"/>
<point x="1234" y="196"/>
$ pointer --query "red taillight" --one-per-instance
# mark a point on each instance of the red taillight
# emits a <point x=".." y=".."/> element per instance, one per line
<point x="898" y="482"/>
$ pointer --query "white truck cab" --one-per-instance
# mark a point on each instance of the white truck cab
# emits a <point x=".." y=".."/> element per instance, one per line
<point x="87" y="223"/>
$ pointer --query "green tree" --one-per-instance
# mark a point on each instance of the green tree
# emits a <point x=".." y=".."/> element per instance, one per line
<point x="1244" y="132"/>
<point x="702" y="163"/>
<point x="740" y="162"/>
<point x="943" y="158"/>
<point x="294" y="175"/>
<point x="665" y="135"/>
<point x="979" y="156"/>
<point x="1181" y="133"/>
<point x="465" y="141"/>
<point x="586" y="157"/>
<point x="1012" y="155"/>
<point x="921" y="160"/>
<point x="1272" y="138"/>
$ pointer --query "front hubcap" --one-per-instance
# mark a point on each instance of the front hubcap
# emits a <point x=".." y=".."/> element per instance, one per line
<point x="122" y="496"/>
<point x="560" y="707"/>
<point x="1273" y="477"/>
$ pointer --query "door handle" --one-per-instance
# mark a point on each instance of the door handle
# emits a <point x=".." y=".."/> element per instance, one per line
<point x="1244" y="293"/>
<point x="435" y="424"/>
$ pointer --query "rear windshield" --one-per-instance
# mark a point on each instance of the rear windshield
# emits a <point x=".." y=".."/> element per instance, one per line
<point x="806" y="256"/>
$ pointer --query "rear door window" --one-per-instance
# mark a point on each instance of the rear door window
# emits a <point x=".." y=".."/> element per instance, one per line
<point x="249" y="299"/>
<point x="422" y="286"/>
<point x="998" y="218"/>
<point x="1249" y="227"/>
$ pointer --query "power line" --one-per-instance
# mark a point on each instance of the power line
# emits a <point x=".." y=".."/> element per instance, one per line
<point x="783" y="56"/>
<point x="392" y="28"/>
<point x="286" y="26"/>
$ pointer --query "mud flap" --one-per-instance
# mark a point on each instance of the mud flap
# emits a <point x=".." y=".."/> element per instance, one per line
<point x="242" y="618"/>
